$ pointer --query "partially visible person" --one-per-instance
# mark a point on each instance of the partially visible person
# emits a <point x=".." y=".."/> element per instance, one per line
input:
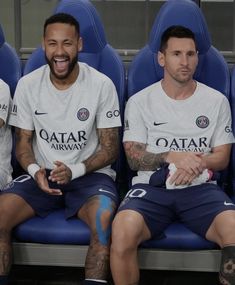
<point x="181" y="129"/>
<point x="5" y="136"/>
<point x="66" y="141"/>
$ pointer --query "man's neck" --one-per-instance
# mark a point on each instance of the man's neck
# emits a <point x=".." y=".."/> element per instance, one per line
<point x="179" y="91"/>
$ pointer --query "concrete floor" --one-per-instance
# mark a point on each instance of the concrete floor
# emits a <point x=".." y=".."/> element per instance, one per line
<point x="39" y="275"/>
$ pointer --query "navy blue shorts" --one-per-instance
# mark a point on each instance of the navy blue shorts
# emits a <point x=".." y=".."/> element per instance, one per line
<point x="75" y="193"/>
<point x="195" y="206"/>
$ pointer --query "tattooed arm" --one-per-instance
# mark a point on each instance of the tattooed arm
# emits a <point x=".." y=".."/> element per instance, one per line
<point x="24" y="149"/>
<point x="140" y="159"/>
<point x="108" y="152"/>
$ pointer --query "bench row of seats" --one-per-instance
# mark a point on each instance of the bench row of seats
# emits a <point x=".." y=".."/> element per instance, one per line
<point x="58" y="242"/>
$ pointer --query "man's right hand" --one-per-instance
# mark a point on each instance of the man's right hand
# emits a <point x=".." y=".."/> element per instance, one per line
<point x="41" y="179"/>
<point x="191" y="162"/>
<point x="189" y="165"/>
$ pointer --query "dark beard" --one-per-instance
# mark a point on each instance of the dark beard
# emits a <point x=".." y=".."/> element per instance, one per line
<point x="70" y="69"/>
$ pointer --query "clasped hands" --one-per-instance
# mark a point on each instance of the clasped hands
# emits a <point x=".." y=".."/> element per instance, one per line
<point x="61" y="174"/>
<point x="189" y="166"/>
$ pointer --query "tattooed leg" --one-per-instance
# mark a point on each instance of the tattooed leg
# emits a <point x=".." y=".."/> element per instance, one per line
<point x="97" y="260"/>
<point x="98" y="214"/>
<point x="5" y="252"/>
<point x="227" y="269"/>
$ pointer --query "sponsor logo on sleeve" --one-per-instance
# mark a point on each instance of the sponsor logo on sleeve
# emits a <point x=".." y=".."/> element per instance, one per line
<point x="14" y="110"/>
<point x="3" y="107"/>
<point x="228" y="129"/>
<point x="111" y="114"/>
<point x="126" y="125"/>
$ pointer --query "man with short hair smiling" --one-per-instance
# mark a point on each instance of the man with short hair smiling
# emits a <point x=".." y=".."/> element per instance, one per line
<point x="66" y="142"/>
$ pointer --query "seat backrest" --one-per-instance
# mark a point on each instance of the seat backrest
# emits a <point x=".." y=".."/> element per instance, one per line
<point x="212" y="68"/>
<point x="10" y="66"/>
<point x="96" y="52"/>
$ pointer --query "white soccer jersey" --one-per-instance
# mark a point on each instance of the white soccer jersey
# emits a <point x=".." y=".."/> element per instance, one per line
<point x="195" y="124"/>
<point x="65" y="121"/>
<point x="5" y="135"/>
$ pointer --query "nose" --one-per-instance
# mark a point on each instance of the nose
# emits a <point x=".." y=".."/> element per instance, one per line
<point x="184" y="59"/>
<point x="59" y="49"/>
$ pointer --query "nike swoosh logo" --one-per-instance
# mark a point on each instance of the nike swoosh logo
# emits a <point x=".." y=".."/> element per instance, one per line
<point x="39" y="113"/>
<point x="228" y="204"/>
<point x="158" y="124"/>
<point x="106" y="191"/>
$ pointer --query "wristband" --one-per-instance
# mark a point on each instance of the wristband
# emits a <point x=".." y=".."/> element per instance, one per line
<point x="32" y="169"/>
<point x="77" y="170"/>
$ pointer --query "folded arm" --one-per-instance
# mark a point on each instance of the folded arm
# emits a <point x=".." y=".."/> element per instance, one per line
<point x="189" y="164"/>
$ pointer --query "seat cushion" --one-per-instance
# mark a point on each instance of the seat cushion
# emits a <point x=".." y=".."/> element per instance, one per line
<point x="177" y="236"/>
<point x="54" y="229"/>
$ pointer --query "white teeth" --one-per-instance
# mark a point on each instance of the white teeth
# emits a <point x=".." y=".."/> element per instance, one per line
<point x="59" y="59"/>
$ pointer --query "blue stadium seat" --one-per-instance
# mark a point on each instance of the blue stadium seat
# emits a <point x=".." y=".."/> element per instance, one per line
<point x="10" y="67"/>
<point x="99" y="54"/>
<point x="10" y="72"/>
<point x="212" y="70"/>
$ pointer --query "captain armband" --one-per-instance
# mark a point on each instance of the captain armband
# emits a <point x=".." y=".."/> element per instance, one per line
<point x="32" y="169"/>
<point x="77" y="170"/>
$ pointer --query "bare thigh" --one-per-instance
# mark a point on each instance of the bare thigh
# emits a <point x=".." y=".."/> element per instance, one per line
<point x="13" y="210"/>
<point x="222" y="229"/>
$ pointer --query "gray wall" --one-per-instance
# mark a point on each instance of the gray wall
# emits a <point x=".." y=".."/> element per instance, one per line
<point x="127" y="23"/>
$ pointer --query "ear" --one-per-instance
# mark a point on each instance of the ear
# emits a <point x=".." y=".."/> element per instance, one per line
<point x="161" y="58"/>
<point x="80" y="44"/>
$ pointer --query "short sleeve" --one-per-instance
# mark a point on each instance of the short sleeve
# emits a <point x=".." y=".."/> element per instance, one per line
<point x="108" y="113"/>
<point x="5" y="100"/>
<point x="134" y="126"/>
<point x="223" y="133"/>
<point x="21" y="115"/>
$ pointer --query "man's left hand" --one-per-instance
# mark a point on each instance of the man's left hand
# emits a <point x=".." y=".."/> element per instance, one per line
<point x="61" y="174"/>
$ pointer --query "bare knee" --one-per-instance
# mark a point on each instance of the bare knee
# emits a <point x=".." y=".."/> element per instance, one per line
<point x="128" y="231"/>
<point x="222" y="229"/>
<point x="98" y="214"/>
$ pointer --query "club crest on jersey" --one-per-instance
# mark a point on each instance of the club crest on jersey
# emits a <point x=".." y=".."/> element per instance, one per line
<point x="83" y="114"/>
<point x="202" y="122"/>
